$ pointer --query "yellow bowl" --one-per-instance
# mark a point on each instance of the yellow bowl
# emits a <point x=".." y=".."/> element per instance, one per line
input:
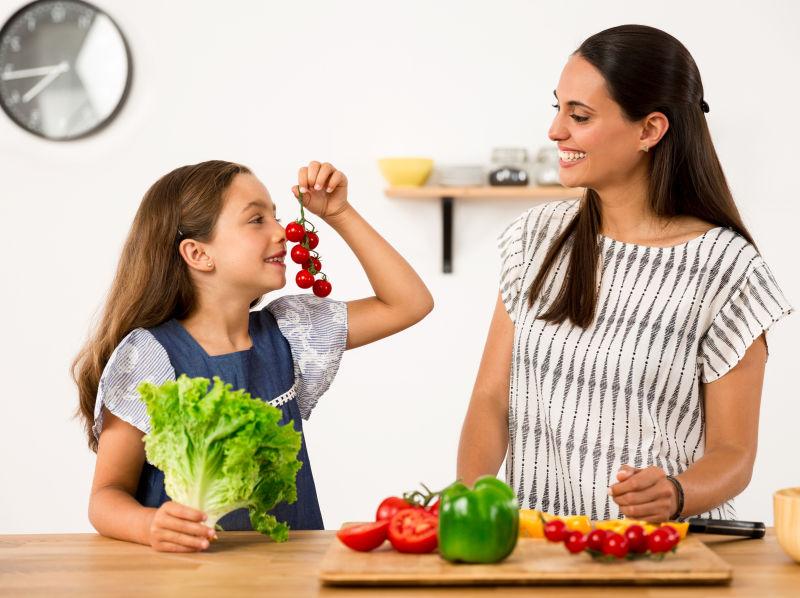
<point x="786" y="504"/>
<point x="406" y="172"/>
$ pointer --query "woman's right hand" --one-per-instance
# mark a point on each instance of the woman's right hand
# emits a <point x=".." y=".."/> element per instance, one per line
<point x="178" y="528"/>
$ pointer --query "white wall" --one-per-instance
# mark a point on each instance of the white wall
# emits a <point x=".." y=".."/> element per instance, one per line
<point x="275" y="84"/>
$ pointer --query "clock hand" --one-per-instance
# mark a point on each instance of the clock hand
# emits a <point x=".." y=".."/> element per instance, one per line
<point x="39" y="87"/>
<point x="25" y="73"/>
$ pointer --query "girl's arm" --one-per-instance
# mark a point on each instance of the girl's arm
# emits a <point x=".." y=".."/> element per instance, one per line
<point x="731" y="406"/>
<point x="484" y="435"/>
<point x="401" y="298"/>
<point x="115" y="513"/>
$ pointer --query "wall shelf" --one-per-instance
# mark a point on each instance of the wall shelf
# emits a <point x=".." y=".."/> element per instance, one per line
<point x="448" y="195"/>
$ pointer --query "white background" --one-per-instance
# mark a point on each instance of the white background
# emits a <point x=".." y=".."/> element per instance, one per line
<point x="276" y="84"/>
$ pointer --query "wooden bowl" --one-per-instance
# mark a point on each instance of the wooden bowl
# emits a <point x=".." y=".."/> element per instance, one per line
<point x="786" y="504"/>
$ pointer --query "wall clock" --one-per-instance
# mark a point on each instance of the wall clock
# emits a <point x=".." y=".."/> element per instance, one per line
<point x="65" y="69"/>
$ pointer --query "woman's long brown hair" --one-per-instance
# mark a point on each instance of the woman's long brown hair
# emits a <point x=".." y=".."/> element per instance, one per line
<point x="646" y="70"/>
<point x="152" y="283"/>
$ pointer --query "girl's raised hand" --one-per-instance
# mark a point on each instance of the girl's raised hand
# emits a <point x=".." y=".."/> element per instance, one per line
<point x="324" y="189"/>
<point x="178" y="528"/>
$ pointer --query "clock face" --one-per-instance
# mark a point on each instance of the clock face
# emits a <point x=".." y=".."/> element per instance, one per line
<point x="64" y="69"/>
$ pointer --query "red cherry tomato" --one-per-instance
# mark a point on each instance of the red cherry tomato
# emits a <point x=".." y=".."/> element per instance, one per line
<point x="364" y="537"/>
<point x="390" y="506"/>
<point x="576" y="542"/>
<point x="594" y="541"/>
<point x="313" y="240"/>
<point x="658" y="541"/>
<point x="555" y="530"/>
<point x="413" y="530"/>
<point x="615" y="545"/>
<point x="637" y="542"/>
<point x="304" y="279"/>
<point x="299" y="254"/>
<point x="434" y="508"/>
<point x="672" y="536"/>
<point x="295" y="232"/>
<point x="315" y="262"/>
<point x="322" y="288"/>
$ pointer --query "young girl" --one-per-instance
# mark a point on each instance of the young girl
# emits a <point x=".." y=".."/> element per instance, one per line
<point x="204" y="247"/>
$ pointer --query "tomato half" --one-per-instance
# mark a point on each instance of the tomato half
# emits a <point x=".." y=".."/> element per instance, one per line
<point x="413" y="530"/>
<point x="364" y="537"/>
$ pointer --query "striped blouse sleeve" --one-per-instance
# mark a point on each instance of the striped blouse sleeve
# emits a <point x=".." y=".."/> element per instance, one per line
<point x="512" y="263"/>
<point x="316" y="330"/>
<point x="751" y="310"/>
<point x="138" y="358"/>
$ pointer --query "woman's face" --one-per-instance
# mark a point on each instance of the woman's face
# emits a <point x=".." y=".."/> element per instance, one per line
<point x="248" y="246"/>
<point x="598" y="146"/>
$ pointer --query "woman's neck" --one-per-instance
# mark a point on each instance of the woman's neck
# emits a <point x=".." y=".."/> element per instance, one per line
<point x="626" y="213"/>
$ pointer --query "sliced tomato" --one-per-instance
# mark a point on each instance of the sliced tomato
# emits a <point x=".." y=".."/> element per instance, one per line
<point x="413" y="530"/>
<point x="363" y="537"/>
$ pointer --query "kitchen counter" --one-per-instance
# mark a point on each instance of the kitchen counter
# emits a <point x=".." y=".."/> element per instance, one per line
<point x="245" y="563"/>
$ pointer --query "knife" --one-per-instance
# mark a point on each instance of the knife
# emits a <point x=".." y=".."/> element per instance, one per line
<point x="727" y="527"/>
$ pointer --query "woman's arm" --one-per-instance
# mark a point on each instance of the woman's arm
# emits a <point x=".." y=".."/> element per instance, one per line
<point x="401" y="298"/>
<point x="731" y="407"/>
<point x="115" y="513"/>
<point x="484" y="435"/>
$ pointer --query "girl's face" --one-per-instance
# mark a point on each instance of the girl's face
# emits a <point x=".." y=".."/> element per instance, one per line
<point x="248" y="246"/>
<point x="598" y="146"/>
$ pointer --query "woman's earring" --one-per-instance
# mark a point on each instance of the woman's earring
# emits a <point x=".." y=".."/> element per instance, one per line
<point x="645" y="149"/>
<point x="210" y="265"/>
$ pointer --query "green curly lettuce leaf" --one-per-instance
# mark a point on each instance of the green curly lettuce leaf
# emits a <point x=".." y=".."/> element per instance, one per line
<point x="222" y="450"/>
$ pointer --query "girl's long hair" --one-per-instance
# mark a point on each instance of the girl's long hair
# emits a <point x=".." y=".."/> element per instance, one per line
<point x="152" y="282"/>
<point x="646" y="70"/>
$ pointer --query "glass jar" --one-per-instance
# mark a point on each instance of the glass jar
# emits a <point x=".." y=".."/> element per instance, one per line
<point x="509" y="167"/>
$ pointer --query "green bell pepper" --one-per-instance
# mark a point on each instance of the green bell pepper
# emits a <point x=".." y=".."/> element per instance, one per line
<point x="479" y="525"/>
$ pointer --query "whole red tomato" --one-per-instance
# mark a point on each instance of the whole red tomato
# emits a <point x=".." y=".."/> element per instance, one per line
<point x="295" y="232"/>
<point x="322" y="288"/>
<point x="615" y="545"/>
<point x="555" y="530"/>
<point x="313" y="240"/>
<point x="637" y="542"/>
<point x="315" y="262"/>
<point x="594" y="541"/>
<point x="673" y="537"/>
<point x="304" y="279"/>
<point x="389" y="506"/>
<point x="299" y="254"/>
<point x="364" y="537"/>
<point x="413" y="530"/>
<point x="576" y="542"/>
<point x="658" y="541"/>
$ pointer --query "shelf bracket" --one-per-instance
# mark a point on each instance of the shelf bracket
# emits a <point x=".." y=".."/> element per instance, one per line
<point x="447" y="235"/>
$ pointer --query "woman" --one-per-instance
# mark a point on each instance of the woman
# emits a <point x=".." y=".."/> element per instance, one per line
<point x="623" y="368"/>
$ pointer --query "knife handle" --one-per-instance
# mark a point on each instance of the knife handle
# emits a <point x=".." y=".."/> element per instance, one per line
<point x="727" y="527"/>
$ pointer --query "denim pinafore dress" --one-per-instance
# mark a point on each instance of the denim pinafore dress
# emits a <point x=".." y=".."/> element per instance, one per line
<point x="266" y="371"/>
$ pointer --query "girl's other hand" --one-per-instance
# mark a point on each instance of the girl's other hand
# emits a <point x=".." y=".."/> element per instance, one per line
<point x="324" y="189"/>
<point x="178" y="528"/>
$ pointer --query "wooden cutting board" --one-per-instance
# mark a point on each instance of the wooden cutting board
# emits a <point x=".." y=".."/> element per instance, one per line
<point x="534" y="561"/>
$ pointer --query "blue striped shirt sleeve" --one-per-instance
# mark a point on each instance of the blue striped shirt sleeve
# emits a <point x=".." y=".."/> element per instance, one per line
<point x="139" y="357"/>
<point x="316" y="330"/>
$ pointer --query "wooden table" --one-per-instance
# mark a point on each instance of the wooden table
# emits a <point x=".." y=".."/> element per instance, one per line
<point x="245" y="563"/>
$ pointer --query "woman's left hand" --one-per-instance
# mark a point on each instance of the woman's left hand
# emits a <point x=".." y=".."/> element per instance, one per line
<point x="324" y="189"/>
<point x="644" y="494"/>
